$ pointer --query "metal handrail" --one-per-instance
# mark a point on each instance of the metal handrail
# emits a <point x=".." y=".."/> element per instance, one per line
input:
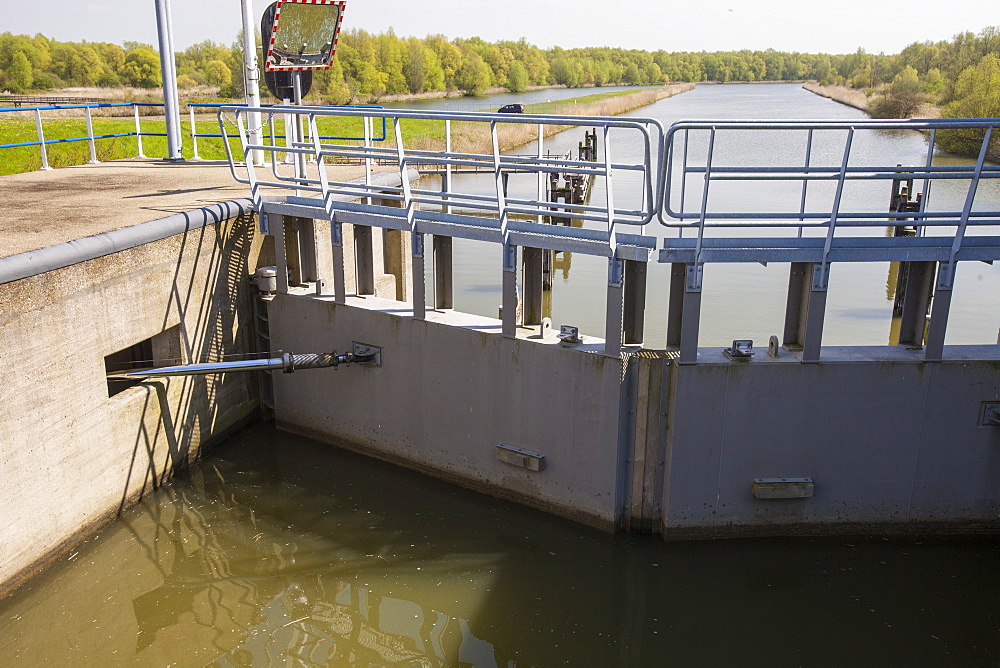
<point x="675" y="213"/>
<point x="195" y="135"/>
<point x="90" y="137"/>
<point x="450" y="205"/>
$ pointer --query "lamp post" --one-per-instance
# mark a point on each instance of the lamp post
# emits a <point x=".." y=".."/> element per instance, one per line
<point x="251" y="77"/>
<point x="169" y="76"/>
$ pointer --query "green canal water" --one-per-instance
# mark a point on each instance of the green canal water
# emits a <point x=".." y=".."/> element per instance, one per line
<point x="278" y="550"/>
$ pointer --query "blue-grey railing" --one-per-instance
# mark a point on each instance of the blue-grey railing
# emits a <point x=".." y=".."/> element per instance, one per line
<point x="234" y="134"/>
<point x="41" y="142"/>
<point x="91" y="137"/>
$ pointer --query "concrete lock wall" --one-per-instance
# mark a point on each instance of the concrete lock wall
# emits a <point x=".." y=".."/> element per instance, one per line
<point x="70" y="455"/>
<point x="450" y="390"/>
<point x="890" y="443"/>
<point x="887" y="442"/>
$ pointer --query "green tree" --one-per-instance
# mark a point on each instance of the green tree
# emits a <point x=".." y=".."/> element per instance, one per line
<point x="517" y="77"/>
<point x="415" y="66"/>
<point x="19" y="75"/>
<point x="474" y="76"/>
<point x="901" y="99"/>
<point x="977" y="95"/>
<point x="142" y="68"/>
<point x="217" y="73"/>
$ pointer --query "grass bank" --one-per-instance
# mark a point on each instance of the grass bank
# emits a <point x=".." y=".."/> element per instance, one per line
<point x="858" y="99"/>
<point x="472" y="137"/>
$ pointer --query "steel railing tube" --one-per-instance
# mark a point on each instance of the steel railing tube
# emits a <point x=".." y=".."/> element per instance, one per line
<point x="288" y="363"/>
<point x="209" y="368"/>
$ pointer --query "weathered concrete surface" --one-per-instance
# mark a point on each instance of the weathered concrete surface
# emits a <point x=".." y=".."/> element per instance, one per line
<point x="71" y="455"/>
<point x="40" y="209"/>
<point x="892" y="443"/>
<point x="451" y="389"/>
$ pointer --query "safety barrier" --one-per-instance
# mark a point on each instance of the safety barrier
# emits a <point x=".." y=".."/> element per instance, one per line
<point x="41" y="142"/>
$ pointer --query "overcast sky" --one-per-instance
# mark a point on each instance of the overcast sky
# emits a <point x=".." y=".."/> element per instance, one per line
<point x="839" y="26"/>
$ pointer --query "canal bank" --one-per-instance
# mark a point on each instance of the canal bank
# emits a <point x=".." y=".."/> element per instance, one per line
<point x="858" y="99"/>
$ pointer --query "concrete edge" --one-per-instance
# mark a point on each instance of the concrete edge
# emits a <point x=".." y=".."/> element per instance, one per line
<point x="588" y="519"/>
<point x="32" y="263"/>
<point x="834" y="529"/>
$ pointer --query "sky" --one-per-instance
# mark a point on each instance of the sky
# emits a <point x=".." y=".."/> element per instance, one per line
<point x="841" y="26"/>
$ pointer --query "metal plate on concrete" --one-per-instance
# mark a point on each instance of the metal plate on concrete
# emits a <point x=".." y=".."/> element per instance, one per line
<point x="783" y="488"/>
<point x="532" y="461"/>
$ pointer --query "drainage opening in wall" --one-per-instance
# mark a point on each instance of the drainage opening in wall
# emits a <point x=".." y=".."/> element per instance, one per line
<point x="159" y="350"/>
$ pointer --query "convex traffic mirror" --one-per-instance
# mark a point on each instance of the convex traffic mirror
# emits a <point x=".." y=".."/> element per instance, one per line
<point x="304" y="34"/>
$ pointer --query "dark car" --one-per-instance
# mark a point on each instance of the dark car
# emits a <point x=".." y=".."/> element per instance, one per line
<point x="511" y="109"/>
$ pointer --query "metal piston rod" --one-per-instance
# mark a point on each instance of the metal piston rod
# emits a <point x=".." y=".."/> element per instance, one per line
<point x="288" y="363"/>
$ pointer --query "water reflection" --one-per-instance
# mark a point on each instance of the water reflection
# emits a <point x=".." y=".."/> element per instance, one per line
<point x="283" y="551"/>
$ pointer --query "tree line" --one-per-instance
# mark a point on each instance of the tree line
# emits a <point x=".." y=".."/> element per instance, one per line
<point x="962" y="74"/>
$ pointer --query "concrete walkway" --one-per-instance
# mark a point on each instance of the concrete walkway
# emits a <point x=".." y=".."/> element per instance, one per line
<point x="41" y="209"/>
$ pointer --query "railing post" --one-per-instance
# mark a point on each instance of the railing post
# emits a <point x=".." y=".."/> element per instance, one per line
<point x="138" y="132"/>
<point x="194" y="135"/>
<point x="90" y="136"/>
<point x="41" y="139"/>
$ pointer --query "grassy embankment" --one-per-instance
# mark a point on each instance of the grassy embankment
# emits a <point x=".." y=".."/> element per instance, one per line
<point x="426" y="134"/>
<point x="854" y="97"/>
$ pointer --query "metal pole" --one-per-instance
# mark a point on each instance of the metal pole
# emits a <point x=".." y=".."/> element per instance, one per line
<point x="169" y="80"/>
<point x="138" y="131"/>
<point x="41" y="139"/>
<point x="194" y="136"/>
<point x="90" y="136"/>
<point x="252" y="78"/>
<point x="176" y="118"/>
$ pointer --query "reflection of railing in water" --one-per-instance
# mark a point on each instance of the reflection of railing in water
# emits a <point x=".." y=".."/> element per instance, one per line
<point x="829" y="222"/>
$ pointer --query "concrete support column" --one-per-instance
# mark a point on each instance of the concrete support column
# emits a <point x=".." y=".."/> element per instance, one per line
<point x="916" y="300"/>
<point x="395" y="260"/>
<point x="509" y="296"/>
<point x="805" y="311"/>
<point x="614" y="317"/>
<point x="635" y="301"/>
<point x="940" y="307"/>
<point x="417" y="274"/>
<point x="293" y="251"/>
<point x="277" y="227"/>
<point x="686" y="304"/>
<point x="531" y="262"/>
<point x="364" y="260"/>
<point x="305" y="229"/>
<point x="444" y="288"/>
<point x="339" y="277"/>
<point x="675" y="305"/>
